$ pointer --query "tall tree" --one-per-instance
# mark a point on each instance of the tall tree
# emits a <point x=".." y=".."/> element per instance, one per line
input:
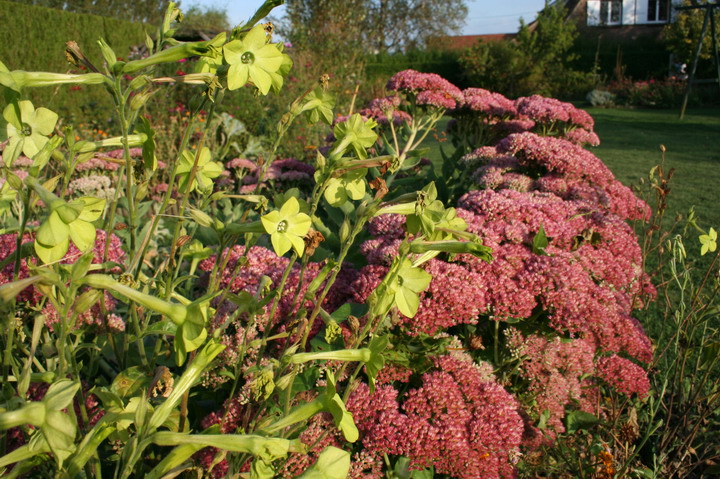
<point x="383" y="25"/>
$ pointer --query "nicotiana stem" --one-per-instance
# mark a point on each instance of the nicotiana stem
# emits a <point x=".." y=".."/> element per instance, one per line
<point x="176" y="312"/>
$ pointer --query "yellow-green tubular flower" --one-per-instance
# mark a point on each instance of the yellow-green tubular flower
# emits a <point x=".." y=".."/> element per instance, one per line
<point x="287" y="227"/>
<point x="27" y="129"/>
<point x="253" y="59"/>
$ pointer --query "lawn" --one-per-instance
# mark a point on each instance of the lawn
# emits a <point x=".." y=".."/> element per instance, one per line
<point x="630" y="146"/>
<point x="630" y="142"/>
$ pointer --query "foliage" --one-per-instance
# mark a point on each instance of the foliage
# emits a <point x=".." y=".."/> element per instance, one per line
<point x="649" y="94"/>
<point x="138" y="11"/>
<point x="682" y="35"/>
<point x="44" y="32"/>
<point x="536" y="61"/>
<point x="212" y="307"/>
<point x="380" y="26"/>
<point x="207" y="19"/>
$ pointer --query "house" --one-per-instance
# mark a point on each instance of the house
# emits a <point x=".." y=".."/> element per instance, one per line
<point x="628" y="12"/>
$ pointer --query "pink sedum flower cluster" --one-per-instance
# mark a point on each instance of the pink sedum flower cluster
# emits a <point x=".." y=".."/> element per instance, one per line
<point x="459" y="420"/>
<point x="426" y="89"/>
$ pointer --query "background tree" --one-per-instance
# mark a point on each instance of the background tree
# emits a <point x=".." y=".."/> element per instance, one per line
<point x="207" y="19"/>
<point x="379" y="25"/>
<point x="682" y="35"/>
<point x="536" y="61"/>
<point x="401" y="25"/>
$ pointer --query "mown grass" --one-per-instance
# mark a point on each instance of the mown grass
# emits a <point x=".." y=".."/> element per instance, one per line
<point x="630" y="146"/>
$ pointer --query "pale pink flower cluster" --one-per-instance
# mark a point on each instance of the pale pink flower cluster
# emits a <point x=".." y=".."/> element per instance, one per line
<point x="31" y="295"/>
<point x="559" y="374"/>
<point x="496" y="116"/>
<point x="385" y="109"/>
<point x="427" y="88"/>
<point x="489" y="103"/>
<point x="559" y="167"/>
<point x="458" y="420"/>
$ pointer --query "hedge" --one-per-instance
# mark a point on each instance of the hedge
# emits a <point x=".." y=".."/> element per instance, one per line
<point x="34" y="39"/>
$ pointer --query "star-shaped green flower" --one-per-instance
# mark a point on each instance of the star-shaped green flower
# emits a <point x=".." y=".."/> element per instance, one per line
<point x="27" y="129"/>
<point x="411" y="281"/>
<point x="320" y="104"/>
<point x="206" y="171"/>
<point x="254" y="59"/>
<point x="68" y="221"/>
<point x="350" y="186"/>
<point x="709" y="242"/>
<point x="357" y="133"/>
<point x="287" y="227"/>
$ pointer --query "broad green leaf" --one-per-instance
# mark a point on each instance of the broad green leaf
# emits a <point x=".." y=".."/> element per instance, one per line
<point x="53" y="231"/>
<point x="93" y="208"/>
<point x="59" y="431"/>
<point x="127" y="382"/>
<point x="335" y="192"/>
<point x="82" y="234"/>
<point x="60" y="394"/>
<point x="540" y="242"/>
<point x="407" y="302"/>
<point x="332" y="463"/>
<point x="343" y="418"/>
<point x="577" y="420"/>
<point x="51" y="254"/>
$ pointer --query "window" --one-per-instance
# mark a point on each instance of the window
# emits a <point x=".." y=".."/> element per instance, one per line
<point x="658" y="10"/>
<point x="611" y="12"/>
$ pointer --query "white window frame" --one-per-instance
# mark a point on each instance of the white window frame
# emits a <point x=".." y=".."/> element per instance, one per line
<point x="606" y="19"/>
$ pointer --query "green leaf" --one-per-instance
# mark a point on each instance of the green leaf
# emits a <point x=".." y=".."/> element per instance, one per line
<point x="53" y="231"/>
<point x="540" y="242"/>
<point x="59" y="431"/>
<point x="407" y="302"/>
<point x="335" y="192"/>
<point x="579" y="420"/>
<point x="129" y="381"/>
<point x="354" y="183"/>
<point x="378" y="344"/>
<point x="82" y="234"/>
<point x="51" y="254"/>
<point x="343" y="418"/>
<point x="332" y="463"/>
<point x="93" y="208"/>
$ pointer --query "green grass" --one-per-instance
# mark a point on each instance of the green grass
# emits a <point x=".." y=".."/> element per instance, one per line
<point x="630" y="142"/>
<point x="630" y="146"/>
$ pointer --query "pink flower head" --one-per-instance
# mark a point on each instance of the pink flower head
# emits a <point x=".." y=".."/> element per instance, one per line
<point x="428" y="88"/>
<point x="488" y="103"/>
<point x="624" y="375"/>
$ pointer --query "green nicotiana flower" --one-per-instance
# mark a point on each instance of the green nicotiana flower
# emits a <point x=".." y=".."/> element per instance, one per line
<point x="287" y="227"/>
<point x="68" y="221"/>
<point x="411" y="281"/>
<point x="206" y="171"/>
<point x="709" y="242"/>
<point x="7" y="196"/>
<point x="351" y="186"/>
<point x="320" y="104"/>
<point x="27" y="129"/>
<point x="254" y="59"/>
<point x="354" y="132"/>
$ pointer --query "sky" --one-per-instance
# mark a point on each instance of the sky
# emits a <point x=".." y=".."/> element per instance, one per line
<point x="484" y="16"/>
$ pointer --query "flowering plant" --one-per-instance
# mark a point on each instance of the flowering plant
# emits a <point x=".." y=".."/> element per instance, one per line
<point x="380" y="318"/>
